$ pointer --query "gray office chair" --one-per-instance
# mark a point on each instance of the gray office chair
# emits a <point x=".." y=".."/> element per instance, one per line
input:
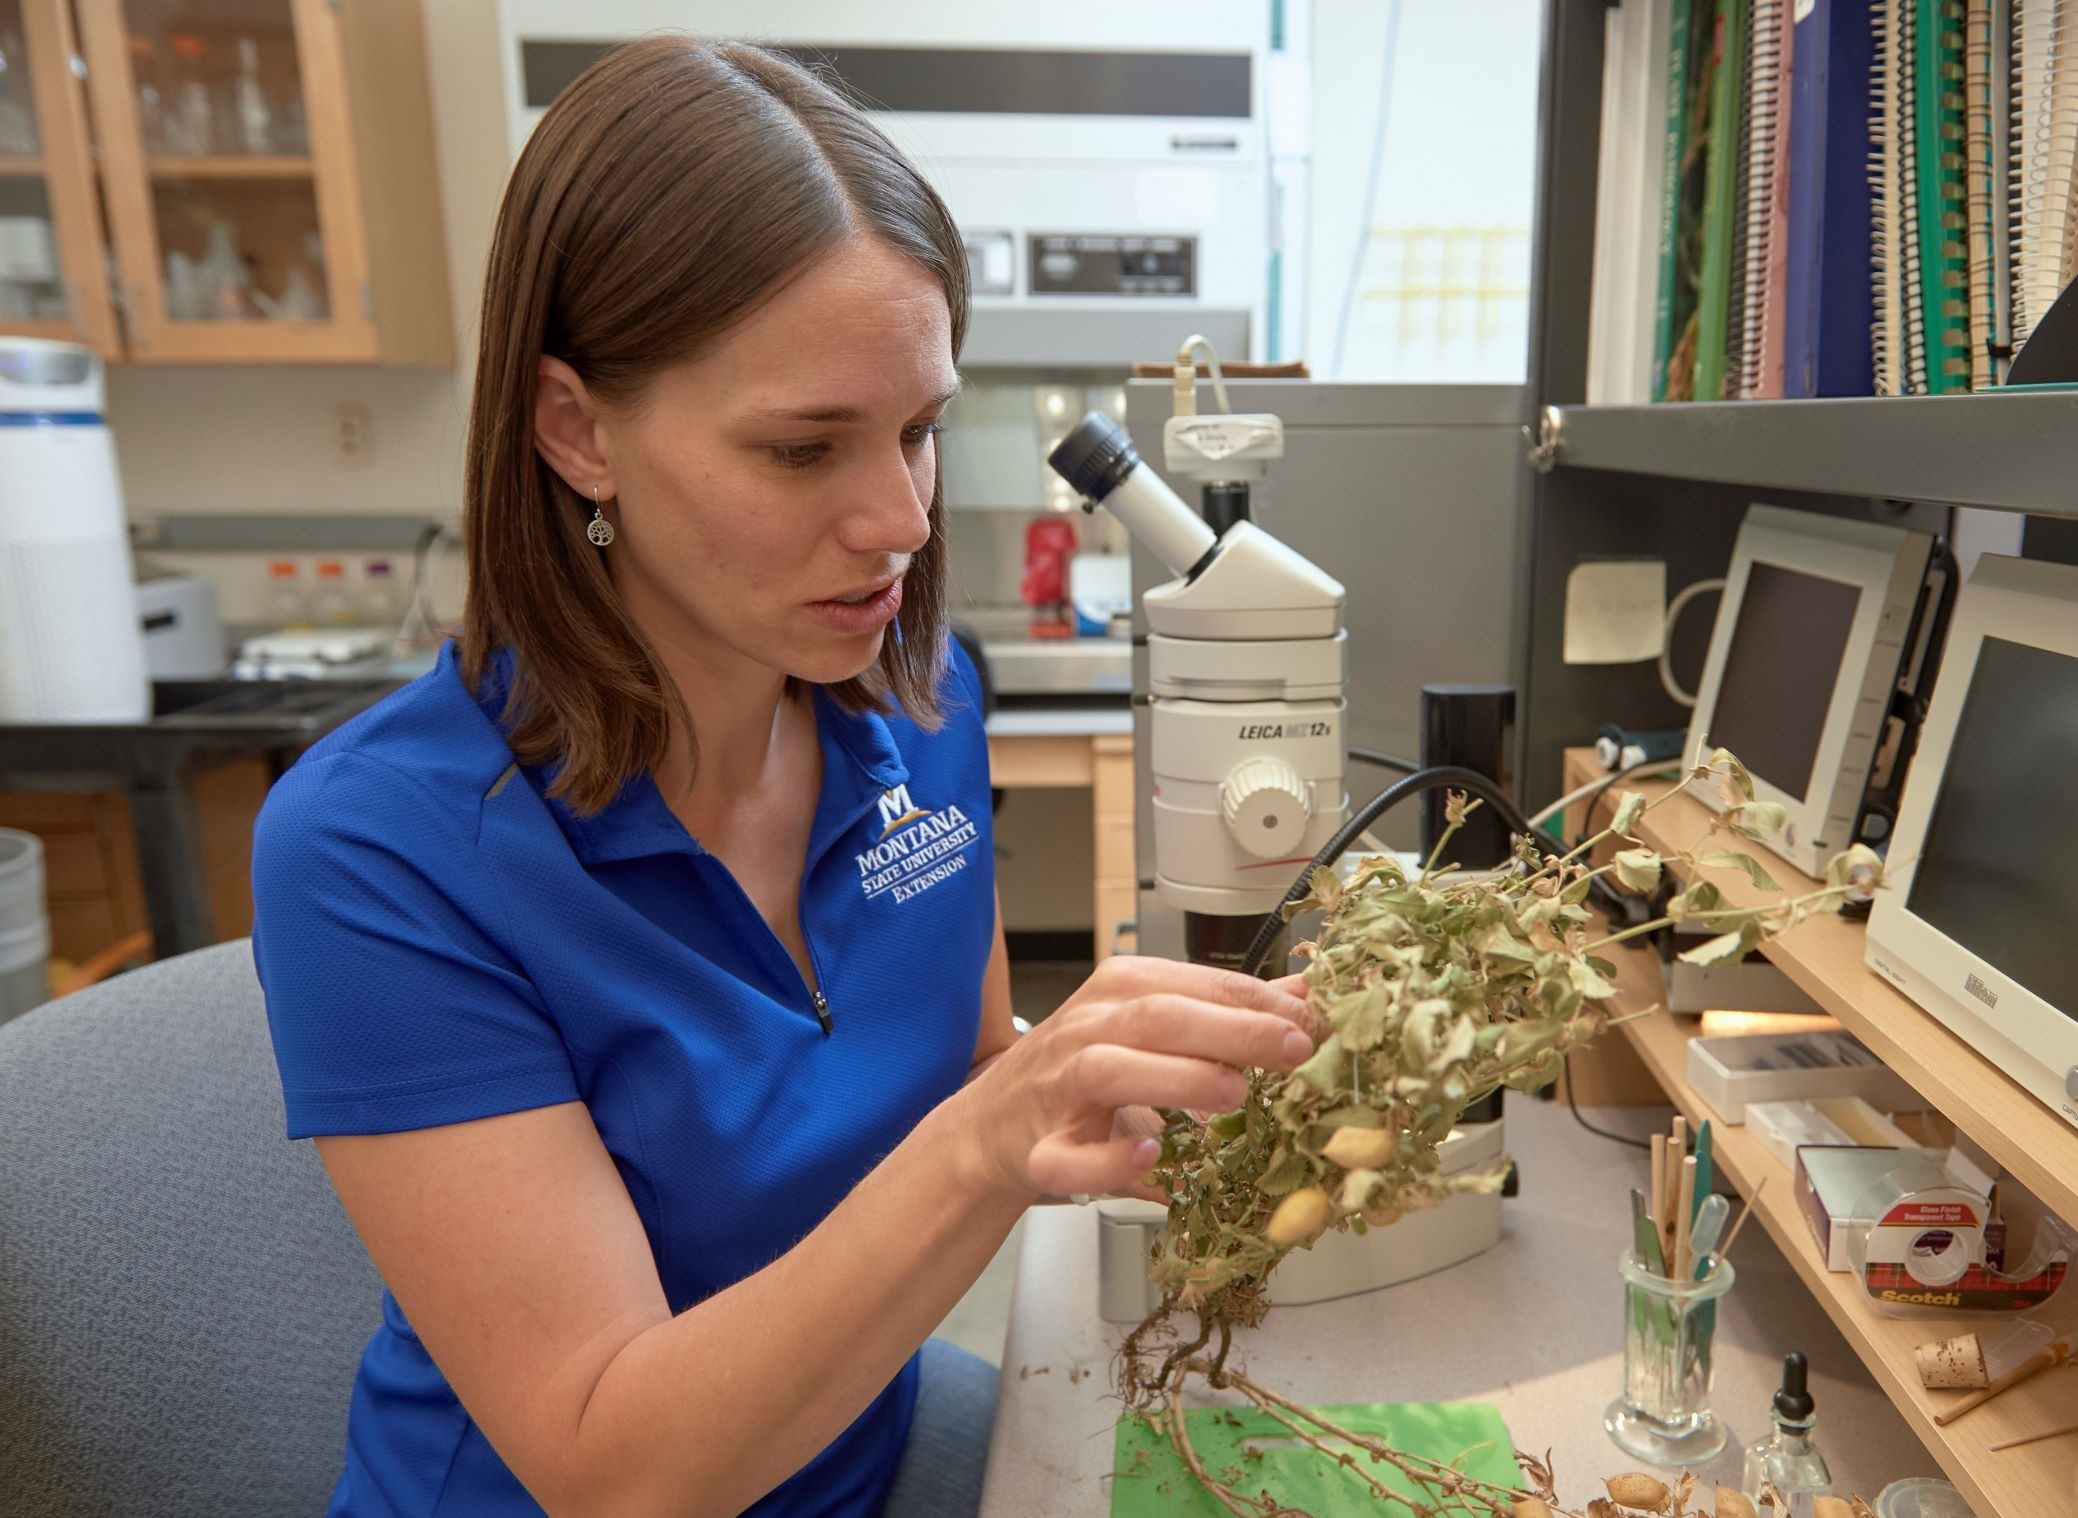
<point x="182" y="1300"/>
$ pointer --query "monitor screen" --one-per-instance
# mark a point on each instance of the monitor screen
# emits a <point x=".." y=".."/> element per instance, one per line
<point x="1994" y="873"/>
<point x="1780" y="671"/>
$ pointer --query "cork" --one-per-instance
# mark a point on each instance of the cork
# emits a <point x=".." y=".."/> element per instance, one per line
<point x="1953" y="1364"/>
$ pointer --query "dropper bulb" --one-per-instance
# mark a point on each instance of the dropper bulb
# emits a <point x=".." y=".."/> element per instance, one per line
<point x="1794" y="1402"/>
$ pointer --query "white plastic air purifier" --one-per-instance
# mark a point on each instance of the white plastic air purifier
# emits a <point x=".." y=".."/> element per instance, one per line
<point x="71" y="643"/>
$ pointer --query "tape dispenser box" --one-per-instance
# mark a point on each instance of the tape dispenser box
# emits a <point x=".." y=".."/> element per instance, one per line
<point x="1924" y="1237"/>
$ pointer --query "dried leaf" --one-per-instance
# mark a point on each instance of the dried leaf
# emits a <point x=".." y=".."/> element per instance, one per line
<point x="1628" y="810"/>
<point x="1358" y="1187"/>
<point x="1728" y="768"/>
<point x="1323" y="1072"/>
<point x="1732" y="1503"/>
<point x="1639" y="870"/>
<point x="1859" y="867"/>
<point x="1591" y="982"/>
<point x="1698" y="900"/>
<point x="1724" y="946"/>
<point x="1759" y="819"/>
<point x="1746" y="864"/>
<point x="1291" y="1168"/>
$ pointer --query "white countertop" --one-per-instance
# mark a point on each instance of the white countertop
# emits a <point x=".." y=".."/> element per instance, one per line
<point x="1061" y="721"/>
<point x="1533" y="1326"/>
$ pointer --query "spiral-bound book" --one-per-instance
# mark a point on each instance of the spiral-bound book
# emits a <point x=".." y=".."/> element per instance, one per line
<point x="2046" y="64"/>
<point x="1941" y="133"/>
<point x="1765" y="231"/>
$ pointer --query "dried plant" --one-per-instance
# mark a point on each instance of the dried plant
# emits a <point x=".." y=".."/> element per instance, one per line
<point x="1434" y="990"/>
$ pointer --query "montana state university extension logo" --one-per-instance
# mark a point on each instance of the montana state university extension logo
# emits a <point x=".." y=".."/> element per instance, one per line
<point x="897" y="810"/>
<point x="917" y="849"/>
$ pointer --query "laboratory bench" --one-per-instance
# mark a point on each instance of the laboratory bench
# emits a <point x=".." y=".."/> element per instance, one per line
<point x="2035" y="1146"/>
<point x="1534" y="1326"/>
<point x="1080" y="746"/>
<point x="147" y="826"/>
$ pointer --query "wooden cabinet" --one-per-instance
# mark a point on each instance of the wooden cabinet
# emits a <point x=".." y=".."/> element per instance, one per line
<point x="259" y="174"/>
<point x="92" y="887"/>
<point x="53" y="269"/>
<point x="1104" y="764"/>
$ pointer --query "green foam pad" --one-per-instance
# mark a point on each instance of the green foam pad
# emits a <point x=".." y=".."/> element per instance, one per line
<point x="1149" y="1479"/>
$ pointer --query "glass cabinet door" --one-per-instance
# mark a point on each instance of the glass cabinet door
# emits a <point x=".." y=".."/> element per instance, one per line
<point x="230" y="177"/>
<point x="52" y="282"/>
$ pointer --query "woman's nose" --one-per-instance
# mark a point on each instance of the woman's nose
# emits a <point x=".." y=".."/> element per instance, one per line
<point x="892" y="513"/>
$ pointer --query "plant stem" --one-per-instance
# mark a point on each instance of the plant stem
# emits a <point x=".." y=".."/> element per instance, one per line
<point x="1449" y="831"/>
<point x="1729" y="915"/>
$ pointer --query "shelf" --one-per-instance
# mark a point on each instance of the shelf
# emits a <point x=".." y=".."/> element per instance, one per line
<point x="231" y="166"/>
<point x="1824" y="957"/>
<point x="52" y="329"/>
<point x="2031" y="1482"/>
<point x="2036" y="1147"/>
<point x="20" y="166"/>
<point x="2013" y="451"/>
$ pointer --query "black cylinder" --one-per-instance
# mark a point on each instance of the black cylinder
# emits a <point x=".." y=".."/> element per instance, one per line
<point x="1209" y="939"/>
<point x="1467" y="725"/>
<point x="1225" y="504"/>
<point x="1095" y="457"/>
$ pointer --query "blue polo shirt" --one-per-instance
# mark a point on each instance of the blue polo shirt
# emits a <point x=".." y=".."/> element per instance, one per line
<point x="440" y="940"/>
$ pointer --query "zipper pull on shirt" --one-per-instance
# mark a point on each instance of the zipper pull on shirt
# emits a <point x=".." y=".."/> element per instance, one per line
<point x="822" y="1012"/>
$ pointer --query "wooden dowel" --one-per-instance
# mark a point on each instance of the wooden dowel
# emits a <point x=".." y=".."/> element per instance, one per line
<point x="2055" y="1354"/>
<point x="2047" y="1433"/>
<point x="1724" y="1247"/>
<point x="1684" y="1268"/>
<point x="1659" y="1195"/>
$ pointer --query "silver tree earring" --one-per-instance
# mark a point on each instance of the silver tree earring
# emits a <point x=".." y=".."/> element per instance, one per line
<point x="599" y="530"/>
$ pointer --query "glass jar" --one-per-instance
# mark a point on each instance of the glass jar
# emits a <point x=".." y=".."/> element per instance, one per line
<point x="1669" y="1328"/>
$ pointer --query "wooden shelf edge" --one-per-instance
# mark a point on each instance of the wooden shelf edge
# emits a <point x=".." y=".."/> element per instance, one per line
<point x="21" y="166"/>
<point x="2031" y="1482"/>
<point x="1824" y="958"/>
<point x="231" y="166"/>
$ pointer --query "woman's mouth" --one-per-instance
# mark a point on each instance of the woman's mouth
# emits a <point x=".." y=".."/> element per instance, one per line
<point x="862" y="611"/>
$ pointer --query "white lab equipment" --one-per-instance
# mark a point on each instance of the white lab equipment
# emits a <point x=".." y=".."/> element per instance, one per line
<point x="1246" y="659"/>
<point x="71" y="647"/>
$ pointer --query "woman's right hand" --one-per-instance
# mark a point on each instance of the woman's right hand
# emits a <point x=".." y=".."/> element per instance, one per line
<point x="1140" y="1033"/>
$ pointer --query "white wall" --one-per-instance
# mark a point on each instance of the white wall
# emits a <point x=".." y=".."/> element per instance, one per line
<point x="1459" y="151"/>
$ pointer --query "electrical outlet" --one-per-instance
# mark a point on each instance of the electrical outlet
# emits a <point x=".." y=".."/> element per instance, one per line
<point x="353" y="435"/>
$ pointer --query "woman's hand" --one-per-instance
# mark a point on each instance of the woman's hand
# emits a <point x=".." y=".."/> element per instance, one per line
<point x="1063" y="1110"/>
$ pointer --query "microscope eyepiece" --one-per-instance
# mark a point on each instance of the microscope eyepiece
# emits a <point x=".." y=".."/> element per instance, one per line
<point x="1096" y="457"/>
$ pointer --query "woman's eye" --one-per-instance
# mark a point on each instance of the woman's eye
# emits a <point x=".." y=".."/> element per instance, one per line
<point x="797" y="455"/>
<point x="915" y="437"/>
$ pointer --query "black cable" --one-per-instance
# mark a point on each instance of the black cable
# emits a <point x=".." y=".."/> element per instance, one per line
<point x="1383" y="760"/>
<point x="1469" y="781"/>
<point x="1574" y="1106"/>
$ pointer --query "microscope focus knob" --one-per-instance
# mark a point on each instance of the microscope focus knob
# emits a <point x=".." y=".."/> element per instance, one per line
<point x="1268" y="806"/>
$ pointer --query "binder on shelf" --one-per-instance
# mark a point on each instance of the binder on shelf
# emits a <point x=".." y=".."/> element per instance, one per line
<point x="1713" y="299"/>
<point x="2046" y="65"/>
<point x="1689" y="49"/>
<point x="1827" y="309"/>
<point x="1765" y="232"/>
<point x="1943" y="219"/>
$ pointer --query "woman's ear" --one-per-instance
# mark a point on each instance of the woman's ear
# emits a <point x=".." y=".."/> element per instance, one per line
<point x="567" y="430"/>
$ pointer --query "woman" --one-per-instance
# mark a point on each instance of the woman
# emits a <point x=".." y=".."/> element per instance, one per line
<point x="638" y="971"/>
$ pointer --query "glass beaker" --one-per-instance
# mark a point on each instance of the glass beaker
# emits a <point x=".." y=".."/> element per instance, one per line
<point x="1669" y="1327"/>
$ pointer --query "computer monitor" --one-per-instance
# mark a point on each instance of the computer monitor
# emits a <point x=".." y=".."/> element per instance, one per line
<point x="1813" y="630"/>
<point x="1978" y="924"/>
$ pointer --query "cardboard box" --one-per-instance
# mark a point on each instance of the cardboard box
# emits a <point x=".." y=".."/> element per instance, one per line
<point x="1731" y="1071"/>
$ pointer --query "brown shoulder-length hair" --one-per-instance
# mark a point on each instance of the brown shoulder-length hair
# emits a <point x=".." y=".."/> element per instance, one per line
<point x="668" y="192"/>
